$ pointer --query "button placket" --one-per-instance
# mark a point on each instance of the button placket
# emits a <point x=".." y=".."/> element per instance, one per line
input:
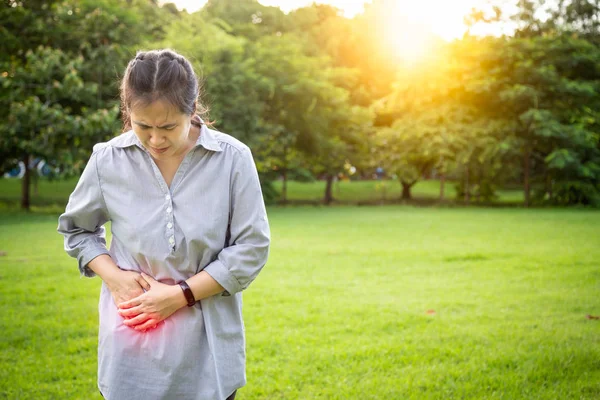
<point x="170" y="232"/>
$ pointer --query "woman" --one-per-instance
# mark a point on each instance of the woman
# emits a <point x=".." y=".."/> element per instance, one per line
<point x="189" y="228"/>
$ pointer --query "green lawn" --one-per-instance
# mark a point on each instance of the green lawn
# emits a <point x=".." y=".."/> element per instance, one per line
<point x="53" y="195"/>
<point x="341" y="309"/>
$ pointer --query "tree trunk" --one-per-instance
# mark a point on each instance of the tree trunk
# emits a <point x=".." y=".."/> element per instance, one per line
<point x="25" y="198"/>
<point x="406" y="190"/>
<point x="442" y="182"/>
<point x="328" y="190"/>
<point x="526" y="183"/>
<point x="284" y="187"/>
<point x="467" y="188"/>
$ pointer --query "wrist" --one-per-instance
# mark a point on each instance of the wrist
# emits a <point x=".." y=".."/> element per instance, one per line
<point x="111" y="276"/>
<point x="190" y="300"/>
<point x="105" y="268"/>
<point x="179" y="296"/>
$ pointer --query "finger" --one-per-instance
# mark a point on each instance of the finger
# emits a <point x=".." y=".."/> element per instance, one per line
<point x="143" y="282"/>
<point x="130" y="312"/>
<point x="131" y="303"/>
<point x="148" y="278"/>
<point x="133" y="322"/>
<point x="149" y="324"/>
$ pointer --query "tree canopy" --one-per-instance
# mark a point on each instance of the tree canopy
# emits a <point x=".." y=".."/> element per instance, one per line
<point x="317" y="95"/>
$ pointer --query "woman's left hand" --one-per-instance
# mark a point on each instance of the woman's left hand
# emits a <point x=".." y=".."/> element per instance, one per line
<point x="148" y="309"/>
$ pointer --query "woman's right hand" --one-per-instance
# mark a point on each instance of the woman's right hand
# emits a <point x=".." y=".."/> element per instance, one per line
<point x="126" y="285"/>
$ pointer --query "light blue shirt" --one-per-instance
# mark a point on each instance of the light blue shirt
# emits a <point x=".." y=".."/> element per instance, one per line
<point x="212" y="218"/>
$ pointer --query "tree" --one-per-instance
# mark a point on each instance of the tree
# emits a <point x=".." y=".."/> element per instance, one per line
<point x="301" y="102"/>
<point x="245" y="18"/>
<point x="58" y="60"/>
<point x="39" y="126"/>
<point x="548" y="77"/>
<point x="532" y="84"/>
<point x="423" y="128"/>
<point x="343" y="145"/>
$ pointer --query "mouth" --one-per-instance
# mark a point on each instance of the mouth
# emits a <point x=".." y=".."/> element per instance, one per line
<point x="159" y="150"/>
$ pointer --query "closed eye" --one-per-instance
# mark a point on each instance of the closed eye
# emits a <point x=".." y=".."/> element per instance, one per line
<point x="170" y="128"/>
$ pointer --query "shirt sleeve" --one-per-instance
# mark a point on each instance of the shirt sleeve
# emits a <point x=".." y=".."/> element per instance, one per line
<point x="82" y="223"/>
<point x="238" y="264"/>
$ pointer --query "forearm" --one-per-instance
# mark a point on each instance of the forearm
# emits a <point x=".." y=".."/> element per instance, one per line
<point x="104" y="267"/>
<point x="203" y="285"/>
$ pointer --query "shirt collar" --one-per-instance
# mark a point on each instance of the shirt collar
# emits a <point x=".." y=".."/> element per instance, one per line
<point x="125" y="139"/>
<point x="206" y="139"/>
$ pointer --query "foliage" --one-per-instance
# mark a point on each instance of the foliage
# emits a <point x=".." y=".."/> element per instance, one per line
<point x="317" y="95"/>
<point x="40" y="123"/>
<point x="58" y="60"/>
<point x="543" y="83"/>
<point x="574" y="192"/>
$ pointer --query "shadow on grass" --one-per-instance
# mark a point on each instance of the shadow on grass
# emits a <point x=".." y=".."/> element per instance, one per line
<point x="415" y="202"/>
<point x="53" y="207"/>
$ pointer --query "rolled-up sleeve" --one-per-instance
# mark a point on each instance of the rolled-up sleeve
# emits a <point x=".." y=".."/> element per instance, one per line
<point x="82" y="223"/>
<point x="238" y="264"/>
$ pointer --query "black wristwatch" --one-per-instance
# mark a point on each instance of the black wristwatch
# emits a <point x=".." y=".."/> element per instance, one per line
<point x="187" y="292"/>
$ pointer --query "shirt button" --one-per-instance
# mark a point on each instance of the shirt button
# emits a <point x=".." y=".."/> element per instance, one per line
<point x="169" y="225"/>
<point x="172" y="240"/>
<point x="168" y="197"/>
<point x="169" y="209"/>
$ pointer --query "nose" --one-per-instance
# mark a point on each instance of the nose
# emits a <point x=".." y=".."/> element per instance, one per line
<point x="155" y="139"/>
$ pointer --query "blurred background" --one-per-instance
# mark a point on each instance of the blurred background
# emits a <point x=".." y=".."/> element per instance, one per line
<point x="476" y="123"/>
<point x="470" y="101"/>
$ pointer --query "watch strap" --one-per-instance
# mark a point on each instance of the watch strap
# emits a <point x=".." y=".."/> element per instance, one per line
<point x="187" y="292"/>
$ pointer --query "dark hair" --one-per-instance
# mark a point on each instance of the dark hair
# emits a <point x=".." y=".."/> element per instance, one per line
<point x="161" y="75"/>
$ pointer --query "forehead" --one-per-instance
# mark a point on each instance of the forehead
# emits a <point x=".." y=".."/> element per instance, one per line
<point x="156" y="112"/>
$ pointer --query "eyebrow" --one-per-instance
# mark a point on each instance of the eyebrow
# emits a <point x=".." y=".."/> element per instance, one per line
<point x="170" y="125"/>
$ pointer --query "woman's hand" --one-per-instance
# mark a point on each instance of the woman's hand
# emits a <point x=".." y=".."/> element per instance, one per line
<point x="126" y="285"/>
<point x="148" y="309"/>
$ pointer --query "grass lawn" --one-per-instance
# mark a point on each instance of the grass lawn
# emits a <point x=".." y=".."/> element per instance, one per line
<point x="393" y="302"/>
<point x="53" y="195"/>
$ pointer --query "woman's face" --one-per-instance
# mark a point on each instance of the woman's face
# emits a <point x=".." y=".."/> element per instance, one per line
<point x="163" y="130"/>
